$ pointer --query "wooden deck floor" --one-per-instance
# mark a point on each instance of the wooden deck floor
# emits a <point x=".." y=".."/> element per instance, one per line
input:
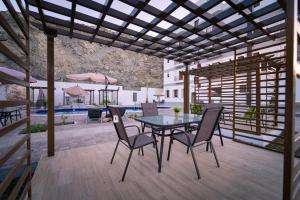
<point x="85" y="173"/>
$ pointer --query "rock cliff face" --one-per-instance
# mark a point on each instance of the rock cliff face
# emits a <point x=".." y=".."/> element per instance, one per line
<point x="132" y="70"/>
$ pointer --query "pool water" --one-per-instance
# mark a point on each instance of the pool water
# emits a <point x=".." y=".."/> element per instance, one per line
<point x="82" y="111"/>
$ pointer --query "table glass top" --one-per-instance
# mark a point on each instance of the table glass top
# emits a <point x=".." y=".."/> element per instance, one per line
<point x="167" y="120"/>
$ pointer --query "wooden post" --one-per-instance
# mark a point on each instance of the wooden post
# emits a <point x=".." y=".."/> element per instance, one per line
<point x="221" y="97"/>
<point x="118" y="96"/>
<point x="291" y="64"/>
<point x="99" y="97"/>
<point x="249" y="73"/>
<point x="51" y="34"/>
<point x="33" y="96"/>
<point x="209" y="89"/>
<point x="186" y="90"/>
<point x="28" y="123"/>
<point x="91" y="97"/>
<point x="276" y="97"/>
<point x="258" y="98"/>
<point x="234" y="95"/>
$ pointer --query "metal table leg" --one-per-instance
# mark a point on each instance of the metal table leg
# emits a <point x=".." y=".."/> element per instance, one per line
<point x="161" y="150"/>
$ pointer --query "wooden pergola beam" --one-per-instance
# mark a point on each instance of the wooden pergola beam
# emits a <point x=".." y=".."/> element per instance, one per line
<point x="51" y="34"/>
<point x="186" y="89"/>
<point x="291" y="62"/>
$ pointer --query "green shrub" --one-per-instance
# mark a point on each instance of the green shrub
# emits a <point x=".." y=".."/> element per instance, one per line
<point x="63" y="119"/>
<point x="38" y="128"/>
<point x="176" y="109"/>
<point x="132" y="116"/>
<point x="197" y="109"/>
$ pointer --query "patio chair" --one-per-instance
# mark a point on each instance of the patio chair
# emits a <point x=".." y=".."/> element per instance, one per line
<point x="206" y="128"/>
<point x="250" y="115"/>
<point x="94" y="114"/>
<point x="122" y="112"/>
<point x="212" y="105"/>
<point x="149" y="109"/>
<point x="132" y="142"/>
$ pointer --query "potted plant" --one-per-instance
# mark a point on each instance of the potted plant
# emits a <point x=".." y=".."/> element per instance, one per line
<point x="176" y="111"/>
<point x="196" y="109"/>
<point x="63" y="119"/>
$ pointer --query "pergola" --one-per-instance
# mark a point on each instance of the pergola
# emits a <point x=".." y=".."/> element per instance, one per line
<point x="186" y="31"/>
<point x="106" y="92"/>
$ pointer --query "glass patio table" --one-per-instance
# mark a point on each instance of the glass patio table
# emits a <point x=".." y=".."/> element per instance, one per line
<point x="168" y="122"/>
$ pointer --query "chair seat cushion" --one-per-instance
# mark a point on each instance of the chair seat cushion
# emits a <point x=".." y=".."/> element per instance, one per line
<point x="141" y="141"/>
<point x="181" y="137"/>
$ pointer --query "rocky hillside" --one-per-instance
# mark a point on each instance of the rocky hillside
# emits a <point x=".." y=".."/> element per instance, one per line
<point x="77" y="56"/>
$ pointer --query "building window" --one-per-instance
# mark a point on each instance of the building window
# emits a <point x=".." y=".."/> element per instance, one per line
<point x="180" y="75"/>
<point x="134" y="97"/>
<point x="168" y="93"/>
<point x="168" y="75"/>
<point x="175" y="95"/>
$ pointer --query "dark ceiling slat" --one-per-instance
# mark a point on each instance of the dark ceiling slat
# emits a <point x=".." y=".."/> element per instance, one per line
<point x="212" y="22"/>
<point x="225" y="14"/>
<point x="74" y="2"/>
<point x="254" y="15"/>
<point x="22" y="9"/>
<point x="132" y="17"/>
<point x="15" y="15"/>
<point x="263" y="39"/>
<point x="203" y="45"/>
<point x="83" y="28"/>
<point x="250" y="29"/>
<point x="41" y="13"/>
<point x="194" y="30"/>
<point x="104" y="13"/>
<point x="241" y="12"/>
<point x="176" y="23"/>
<point x="81" y="36"/>
<point x="7" y="27"/>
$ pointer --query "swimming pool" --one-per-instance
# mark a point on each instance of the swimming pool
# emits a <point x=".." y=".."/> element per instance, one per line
<point x="83" y="111"/>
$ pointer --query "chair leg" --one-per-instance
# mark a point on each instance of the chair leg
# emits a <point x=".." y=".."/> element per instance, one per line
<point x="213" y="149"/>
<point x="142" y="151"/>
<point x="207" y="145"/>
<point x="220" y="135"/>
<point x="187" y="150"/>
<point x="195" y="163"/>
<point x="114" y="152"/>
<point x="170" y="147"/>
<point x="124" y="174"/>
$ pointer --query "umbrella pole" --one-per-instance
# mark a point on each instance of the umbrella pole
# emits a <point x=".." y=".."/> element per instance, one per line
<point x="106" y="84"/>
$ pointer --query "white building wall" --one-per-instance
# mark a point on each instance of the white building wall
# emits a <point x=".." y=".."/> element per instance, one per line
<point x="125" y="96"/>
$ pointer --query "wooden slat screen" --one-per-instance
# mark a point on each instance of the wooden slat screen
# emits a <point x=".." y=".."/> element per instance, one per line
<point x="16" y="185"/>
<point x="251" y="87"/>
